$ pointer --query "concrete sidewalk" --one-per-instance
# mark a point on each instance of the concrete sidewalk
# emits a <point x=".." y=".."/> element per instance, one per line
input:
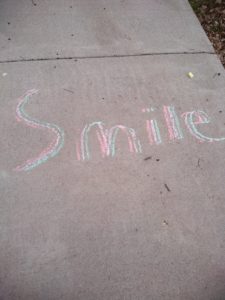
<point x="112" y="158"/>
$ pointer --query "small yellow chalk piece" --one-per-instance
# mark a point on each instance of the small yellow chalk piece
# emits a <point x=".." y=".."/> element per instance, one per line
<point x="190" y="75"/>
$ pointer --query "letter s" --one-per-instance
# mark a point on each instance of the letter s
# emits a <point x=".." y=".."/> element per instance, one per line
<point x="54" y="147"/>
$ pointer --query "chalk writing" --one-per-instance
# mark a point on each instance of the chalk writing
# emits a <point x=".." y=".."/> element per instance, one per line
<point x="153" y="132"/>
<point x="199" y="117"/>
<point x="172" y="122"/>
<point x="53" y="148"/>
<point x="107" y="137"/>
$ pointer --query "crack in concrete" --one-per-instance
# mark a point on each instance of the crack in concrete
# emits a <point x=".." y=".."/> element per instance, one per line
<point x="103" y="56"/>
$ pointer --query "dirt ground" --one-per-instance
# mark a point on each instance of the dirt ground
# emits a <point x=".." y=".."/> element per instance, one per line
<point x="211" y="14"/>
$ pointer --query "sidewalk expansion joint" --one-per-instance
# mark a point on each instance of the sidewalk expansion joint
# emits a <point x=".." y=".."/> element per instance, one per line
<point x="102" y="56"/>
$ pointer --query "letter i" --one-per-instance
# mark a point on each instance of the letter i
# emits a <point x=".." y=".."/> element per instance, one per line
<point x="172" y="123"/>
<point x="152" y="129"/>
<point x="153" y="132"/>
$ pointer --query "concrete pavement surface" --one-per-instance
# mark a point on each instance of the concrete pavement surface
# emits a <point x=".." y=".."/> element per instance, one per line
<point x="54" y="28"/>
<point x="112" y="158"/>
